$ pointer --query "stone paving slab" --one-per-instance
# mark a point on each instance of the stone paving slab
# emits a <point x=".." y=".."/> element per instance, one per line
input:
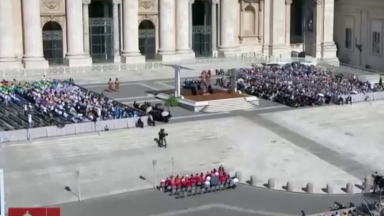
<point x="111" y="162"/>
<point x="355" y="131"/>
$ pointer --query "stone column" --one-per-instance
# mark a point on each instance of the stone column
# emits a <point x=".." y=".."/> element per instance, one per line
<point x="267" y="27"/>
<point x="261" y="20"/>
<point x="86" y="26"/>
<point x="214" y="27"/>
<point x="131" y="53"/>
<point x="229" y="20"/>
<point x="329" y="47"/>
<point x="288" y="4"/>
<point x="190" y="23"/>
<point x="278" y="47"/>
<point x="33" y="36"/>
<point x="317" y="28"/>
<point x="7" y="36"/>
<point x="167" y="30"/>
<point x="75" y="54"/>
<point x="116" y="32"/>
<point x="182" y="27"/>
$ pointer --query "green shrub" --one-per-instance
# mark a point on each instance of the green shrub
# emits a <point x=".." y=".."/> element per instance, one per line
<point x="171" y="102"/>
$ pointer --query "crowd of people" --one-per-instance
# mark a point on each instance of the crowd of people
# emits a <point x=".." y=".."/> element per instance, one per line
<point x="214" y="178"/>
<point x="298" y="85"/>
<point x="66" y="100"/>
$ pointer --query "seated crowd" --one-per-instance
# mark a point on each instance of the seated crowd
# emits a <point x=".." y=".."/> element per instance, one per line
<point x="215" y="179"/>
<point x="298" y="84"/>
<point x="65" y="100"/>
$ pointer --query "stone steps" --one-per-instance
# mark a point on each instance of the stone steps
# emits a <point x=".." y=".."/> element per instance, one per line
<point x="230" y="105"/>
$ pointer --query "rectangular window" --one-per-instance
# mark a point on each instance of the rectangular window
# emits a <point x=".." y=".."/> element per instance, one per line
<point x="348" y="38"/>
<point x="376" y="42"/>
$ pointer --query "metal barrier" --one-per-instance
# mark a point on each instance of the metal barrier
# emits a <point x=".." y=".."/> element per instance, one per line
<point x="330" y="213"/>
<point x="69" y="129"/>
<point x="151" y="65"/>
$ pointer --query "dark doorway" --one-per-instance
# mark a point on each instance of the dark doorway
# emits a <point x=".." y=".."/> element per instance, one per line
<point x="147" y="39"/>
<point x="202" y="30"/>
<point x="297" y="22"/>
<point x="53" y="43"/>
<point x="101" y="31"/>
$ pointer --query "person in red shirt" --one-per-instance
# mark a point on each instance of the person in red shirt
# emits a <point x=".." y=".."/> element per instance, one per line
<point x="193" y="181"/>
<point x="183" y="183"/>
<point x="222" y="178"/>
<point x="177" y="181"/>
<point x="188" y="183"/>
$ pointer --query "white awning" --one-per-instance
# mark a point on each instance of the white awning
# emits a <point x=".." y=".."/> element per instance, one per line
<point x="209" y="65"/>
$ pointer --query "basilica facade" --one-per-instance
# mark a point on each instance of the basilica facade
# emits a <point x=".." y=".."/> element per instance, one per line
<point x="40" y="33"/>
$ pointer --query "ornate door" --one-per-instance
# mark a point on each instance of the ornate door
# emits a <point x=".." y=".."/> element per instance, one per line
<point x="147" y="39"/>
<point x="53" y="43"/>
<point x="101" y="39"/>
<point x="202" y="40"/>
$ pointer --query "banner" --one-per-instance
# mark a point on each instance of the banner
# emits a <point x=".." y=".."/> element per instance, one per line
<point x="34" y="212"/>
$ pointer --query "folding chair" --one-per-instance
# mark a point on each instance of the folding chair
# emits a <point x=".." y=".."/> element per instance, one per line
<point x="198" y="190"/>
<point x="222" y="187"/>
<point x="173" y="191"/>
<point x="188" y="191"/>
<point x="217" y="187"/>
<point x="193" y="190"/>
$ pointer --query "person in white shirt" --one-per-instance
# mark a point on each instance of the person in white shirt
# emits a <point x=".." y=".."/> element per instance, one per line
<point x="30" y="120"/>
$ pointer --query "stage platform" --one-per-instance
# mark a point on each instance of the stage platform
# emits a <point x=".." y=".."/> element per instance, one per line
<point x="219" y="101"/>
<point x="217" y="94"/>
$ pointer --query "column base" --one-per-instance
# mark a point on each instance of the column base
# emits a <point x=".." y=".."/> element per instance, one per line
<point x="331" y="61"/>
<point x="215" y="54"/>
<point x="329" y="50"/>
<point x="280" y="52"/>
<point x="175" y="57"/>
<point x="229" y="51"/>
<point x="10" y="64"/>
<point x="133" y="59"/>
<point x="78" y="61"/>
<point x="116" y="58"/>
<point x="30" y="63"/>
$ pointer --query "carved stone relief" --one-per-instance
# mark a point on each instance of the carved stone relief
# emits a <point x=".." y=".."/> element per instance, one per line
<point x="52" y="6"/>
<point x="152" y="18"/>
<point x="58" y="19"/>
<point x="148" y="6"/>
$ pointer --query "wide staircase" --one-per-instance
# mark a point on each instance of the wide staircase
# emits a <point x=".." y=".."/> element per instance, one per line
<point x="233" y="104"/>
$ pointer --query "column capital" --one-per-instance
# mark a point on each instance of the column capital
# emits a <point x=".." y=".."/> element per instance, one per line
<point x="191" y="1"/>
<point x="215" y="1"/>
<point x="116" y="2"/>
<point x="288" y="2"/>
<point x="318" y="2"/>
<point x="86" y="2"/>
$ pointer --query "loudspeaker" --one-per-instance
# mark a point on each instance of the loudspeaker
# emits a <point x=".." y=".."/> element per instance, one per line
<point x="194" y="92"/>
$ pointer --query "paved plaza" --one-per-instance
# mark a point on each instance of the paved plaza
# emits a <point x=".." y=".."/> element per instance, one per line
<point x="320" y="145"/>
<point x="111" y="162"/>
<point x="356" y="132"/>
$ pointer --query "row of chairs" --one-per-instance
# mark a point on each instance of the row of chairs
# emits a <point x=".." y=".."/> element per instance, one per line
<point x="181" y="192"/>
<point x="13" y="117"/>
